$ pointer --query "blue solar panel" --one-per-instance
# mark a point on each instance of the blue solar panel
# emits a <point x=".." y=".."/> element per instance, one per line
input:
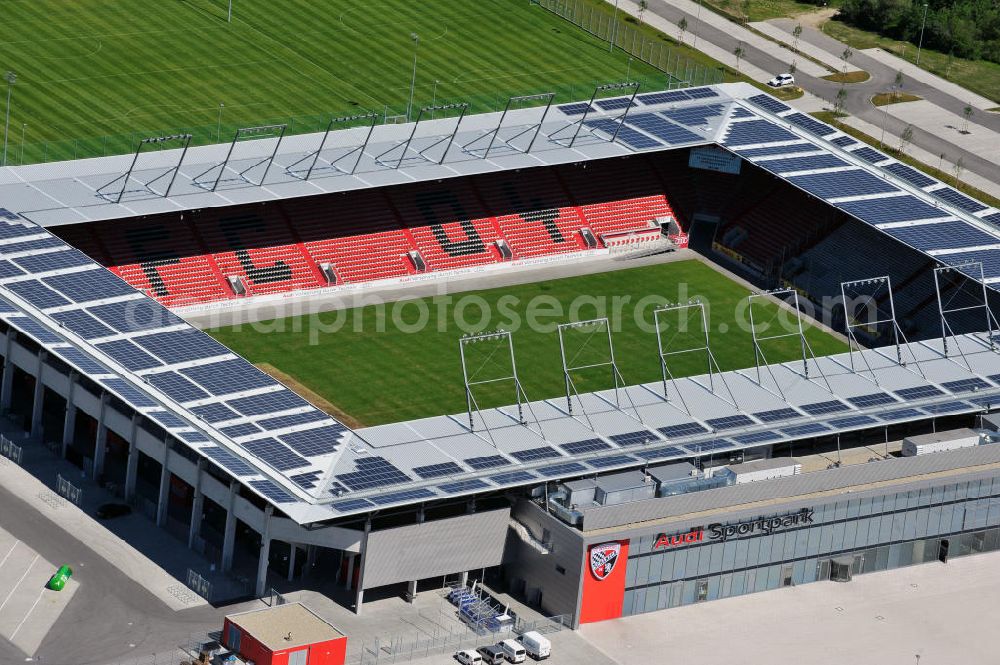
<point x="463" y="486"/>
<point x="230" y="376"/>
<point x="192" y="437"/>
<point x="129" y="355"/>
<point x="874" y="399"/>
<point x="82" y="324"/>
<point x="437" y="470"/>
<point x="910" y="175"/>
<point x="212" y="413"/>
<point x="166" y="418"/>
<point x="941" y="235"/>
<point x="966" y="385"/>
<point x="275" y="454"/>
<point x="513" y="477"/>
<point x="993" y="218"/>
<point x="272" y="491"/>
<point x="229" y="461"/>
<point x="243" y="429"/>
<point x="84" y="362"/>
<point x="664" y="97"/>
<point x="255" y="405"/>
<point x="852" y="421"/>
<point x="777" y="150"/>
<point x="314" y="442"/>
<point x="768" y="103"/>
<point x="569" y="468"/>
<point x="662" y="453"/>
<point x="809" y="124"/>
<point x="893" y="209"/>
<point x="634" y="438"/>
<point x="843" y="141"/>
<point x="613" y="460"/>
<point x="533" y="454"/>
<point x="947" y="407"/>
<point x="729" y="422"/>
<point x="17" y="230"/>
<point x="990" y="259"/>
<point x="89" y="285"/>
<point x="181" y="345"/>
<point x="373" y="472"/>
<point x="777" y="414"/>
<point x="756" y="437"/>
<point x="808" y="429"/>
<point x="135" y="315"/>
<point x="35" y="263"/>
<point x="869" y="155"/>
<point x="757" y="131"/>
<point x="740" y="112"/>
<point x="709" y="446"/>
<point x="918" y="392"/>
<point x="487" y="462"/>
<point x="684" y="429"/>
<point x="404" y="495"/>
<point x="694" y="116"/>
<point x="127" y="392"/>
<point x="578" y="108"/>
<point x="701" y="93"/>
<point x="34" y="329"/>
<point x="652" y="123"/>
<point x="628" y="136"/>
<point x="958" y="200"/>
<point x="801" y="163"/>
<point x="8" y="269"/>
<point x="351" y="505"/>
<point x="37" y="294"/>
<point x="281" y="422"/>
<point x="819" y="408"/>
<point x="842" y="183"/>
<point x="32" y="245"/>
<point x="901" y="414"/>
<point x="615" y="103"/>
<point x="585" y="446"/>
<point x="306" y="480"/>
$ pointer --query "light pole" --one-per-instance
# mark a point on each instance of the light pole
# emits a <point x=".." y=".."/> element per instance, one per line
<point x="229" y="19"/>
<point x="24" y="129"/>
<point x="413" y="80"/>
<point x="11" y="78"/>
<point x="923" y="24"/>
<point x="614" y="30"/>
<point x="218" y="131"/>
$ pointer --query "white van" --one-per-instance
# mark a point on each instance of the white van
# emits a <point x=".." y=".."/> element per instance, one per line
<point x="468" y="657"/>
<point x="535" y="645"/>
<point x="513" y="651"/>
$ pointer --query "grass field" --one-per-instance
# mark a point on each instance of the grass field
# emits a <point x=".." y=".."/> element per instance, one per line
<point x="93" y="68"/>
<point x="376" y="371"/>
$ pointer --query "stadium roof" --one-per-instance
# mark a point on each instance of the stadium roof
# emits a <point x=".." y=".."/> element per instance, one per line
<point x="314" y="468"/>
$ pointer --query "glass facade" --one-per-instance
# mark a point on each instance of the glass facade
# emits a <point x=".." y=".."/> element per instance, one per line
<point x="873" y="533"/>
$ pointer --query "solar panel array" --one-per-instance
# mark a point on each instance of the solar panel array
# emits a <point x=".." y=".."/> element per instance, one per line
<point x="666" y="131"/>
<point x="941" y="235"/>
<point x="626" y="135"/>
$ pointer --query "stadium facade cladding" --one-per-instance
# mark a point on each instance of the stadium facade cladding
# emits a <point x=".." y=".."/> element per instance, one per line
<point x="302" y="478"/>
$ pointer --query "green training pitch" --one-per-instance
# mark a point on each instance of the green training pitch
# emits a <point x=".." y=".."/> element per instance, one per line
<point x="401" y="361"/>
<point x="94" y="75"/>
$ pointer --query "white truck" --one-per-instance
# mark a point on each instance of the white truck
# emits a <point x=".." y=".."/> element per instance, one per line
<point x="536" y="646"/>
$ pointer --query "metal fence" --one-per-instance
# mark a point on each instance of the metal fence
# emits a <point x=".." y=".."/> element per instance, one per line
<point x="10" y="450"/>
<point x="681" y="71"/>
<point x="68" y="490"/>
<point x="199" y="584"/>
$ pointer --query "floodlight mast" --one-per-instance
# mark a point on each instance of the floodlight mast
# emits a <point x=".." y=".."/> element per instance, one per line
<point x="581" y="122"/>
<point x="494" y="134"/>
<point x="404" y="147"/>
<point x="968" y="271"/>
<point x="242" y="133"/>
<point x="315" y="156"/>
<point x="148" y="184"/>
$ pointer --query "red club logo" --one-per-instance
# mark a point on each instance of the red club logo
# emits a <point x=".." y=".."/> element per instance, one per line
<point x="603" y="559"/>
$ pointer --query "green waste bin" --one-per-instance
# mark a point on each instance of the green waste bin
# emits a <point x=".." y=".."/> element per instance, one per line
<point x="58" y="581"/>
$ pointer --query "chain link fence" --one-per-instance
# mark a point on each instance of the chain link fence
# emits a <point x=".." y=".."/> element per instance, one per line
<point x="68" y="490"/>
<point x="10" y="450"/>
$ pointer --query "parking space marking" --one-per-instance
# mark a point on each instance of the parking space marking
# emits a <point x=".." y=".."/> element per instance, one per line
<point x="28" y="570"/>
<point x="9" y="553"/>
<point x="33" y="606"/>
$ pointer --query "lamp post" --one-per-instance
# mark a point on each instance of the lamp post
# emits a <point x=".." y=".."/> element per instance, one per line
<point x="218" y="131"/>
<point x="413" y="80"/>
<point x="229" y="19"/>
<point x="24" y="130"/>
<point x="614" y="30"/>
<point x="11" y="78"/>
<point x="923" y="24"/>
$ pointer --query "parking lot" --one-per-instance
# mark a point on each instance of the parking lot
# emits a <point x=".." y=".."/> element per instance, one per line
<point x="28" y="609"/>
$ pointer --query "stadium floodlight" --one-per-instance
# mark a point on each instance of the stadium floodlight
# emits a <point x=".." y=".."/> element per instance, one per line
<point x="404" y="147"/>
<point x="10" y="77"/>
<point x="494" y="134"/>
<point x="967" y="283"/>
<point x="413" y="79"/>
<point x="581" y="122"/>
<point x="244" y="134"/>
<point x="147" y="185"/>
<point x="314" y="157"/>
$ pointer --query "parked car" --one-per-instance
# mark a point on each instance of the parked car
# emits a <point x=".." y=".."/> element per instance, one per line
<point x="468" y="657"/>
<point x="112" y="510"/>
<point x="781" y="80"/>
<point x="537" y="646"/>
<point x="492" y="654"/>
<point x="512" y="651"/>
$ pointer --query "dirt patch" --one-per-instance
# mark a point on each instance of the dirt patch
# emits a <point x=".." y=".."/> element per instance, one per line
<point x="308" y="395"/>
<point x="817" y="18"/>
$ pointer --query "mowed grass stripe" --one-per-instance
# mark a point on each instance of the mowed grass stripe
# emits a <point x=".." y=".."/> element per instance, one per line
<point x="378" y="372"/>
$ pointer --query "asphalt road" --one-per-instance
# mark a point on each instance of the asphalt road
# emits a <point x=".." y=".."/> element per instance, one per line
<point x="111" y="619"/>
<point x="858" y="98"/>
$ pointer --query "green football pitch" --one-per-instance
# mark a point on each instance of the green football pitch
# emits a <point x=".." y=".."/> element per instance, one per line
<point x="94" y="75"/>
<point x="400" y="361"/>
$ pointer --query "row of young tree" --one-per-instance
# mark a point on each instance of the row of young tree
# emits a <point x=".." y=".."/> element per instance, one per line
<point x="964" y="28"/>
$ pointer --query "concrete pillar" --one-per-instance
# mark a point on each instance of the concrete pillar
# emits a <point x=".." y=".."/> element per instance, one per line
<point x="7" y="384"/>
<point x="197" y="505"/>
<point x="229" y="537"/>
<point x="359" y="595"/>
<point x="310" y="561"/>
<point x="38" y="398"/>
<point x="349" y="578"/>
<point x="292" y="549"/>
<point x="411" y="589"/>
<point x="131" y="469"/>
<point x="69" y="422"/>
<point x="464" y="579"/>
<point x="265" y="551"/>
<point x="164" y="495"/>
<point x="101" y="442"/>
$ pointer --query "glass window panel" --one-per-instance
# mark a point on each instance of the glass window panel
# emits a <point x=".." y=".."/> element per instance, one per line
<point x="676" y="594"/>
<point x="789" y="550"/>
<point x="801" y="542"/>
<point x="943" y="524"/>
<point x="751" y="584"/>
<point x="866" y="506"/>
<point x="949" y="493"/>
<point x="814" y="535"/>
<point x="881" y="557"/>
<point x="826" y="537"/>
<point x="630" y="571"/>
<point x="715" y="564"/>
<point x="937" y="494"/>
<point x="728" y="554"/>
<point x="739" y="583"/>
<point x="629" y="600"/>
<point x="667" y="570"/>
<point x="893" y="556"/>
<point x="840" y="510"/>
<point x="958" y="517"/>
<point x="993" y="517"/>
<point x="889" y="503"/>
<point x="680" y="565"/>
<point x="925" y="497"/>
<point x="652" y="597"/>
<point x="639" y="605"/>
<point x="773" y="577"/>
<point x="798" y="572"/>
<point x="760" y="583"/>
<point x="861" y="538"/>
<point x="905" y="554"/>
<point x="961" y="491"/>
<point x="764" y="554"/>
<point x="753" y="551"/>
<point x="693" y="555"/>
<point x="922" y="516"/>
<point x="704" y="558"/>
<point x="853" y="508"/>
<point x="898" y="521"/>
<point x="837" y="543"/>
<point x="912" y="498"/>
<point x="910" y="525"/>
<point x="918" y="551"/>
<point x="646" y="544"/>
<point x="878" y="504"/>
<point x="809" y="571"/>
<point x="642" y="571"/>
<point x="713" y="587"/>
<point x="725" y="586"/>
<point x="885" y="533"/>
<point x="778" y="546"/>
<point x="850" y="535"/>
<point x="741" y="554"/>
<point x="688" y="595"/>
<point x="655" y="568"/>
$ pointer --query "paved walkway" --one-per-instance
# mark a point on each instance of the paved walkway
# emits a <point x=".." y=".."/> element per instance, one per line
<point x="828" y="58"/>
<point x="935" y="614"/>
<point x="914" y="73"/>
<point x="977" y="139"/>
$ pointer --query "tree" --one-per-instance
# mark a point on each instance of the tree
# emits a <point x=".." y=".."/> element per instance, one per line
<point x="959" y="166"/>
<point x="838" y="105"/>
<point x="792" y="68"/>
<point x="746" y="10"/>
<point x="682" y="25"/>
<point x="897" y="85"/>
<point x="905" y="138"/>
<point x="739" y="52"/>
<point x="845" y="56"/>
<point x="643" y="5"/>
<point x="967" y="113"/>
<point x="796" y="33"/>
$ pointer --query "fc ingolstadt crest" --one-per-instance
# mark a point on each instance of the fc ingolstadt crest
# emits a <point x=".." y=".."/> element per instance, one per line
<point x="603" y="559"/>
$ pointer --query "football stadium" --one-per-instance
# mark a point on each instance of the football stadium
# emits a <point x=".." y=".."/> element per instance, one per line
<point x="611" y="353"/>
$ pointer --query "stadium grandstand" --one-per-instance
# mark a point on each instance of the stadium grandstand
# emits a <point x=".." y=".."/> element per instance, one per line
<point x="110" y="369"/>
